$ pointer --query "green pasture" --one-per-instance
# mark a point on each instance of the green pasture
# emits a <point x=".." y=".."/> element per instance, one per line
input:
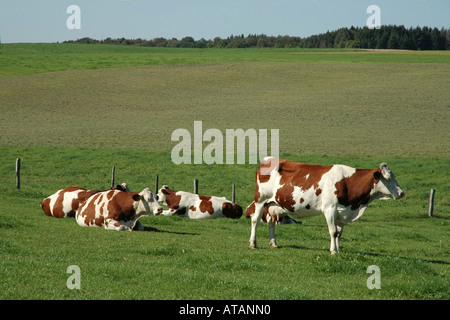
<point x="71" y="112"/>
<point x="177" y="258"/>
<point x="28" y="58"/>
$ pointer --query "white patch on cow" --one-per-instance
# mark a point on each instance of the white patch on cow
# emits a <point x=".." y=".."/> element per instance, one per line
<point x="67" y="201"/>
<point x="53" y="199"/>
<point x="307" y="176"/>
<point x="266" y="189"/>
<point x="345" y="215"/>
<point x="104" y="203"/>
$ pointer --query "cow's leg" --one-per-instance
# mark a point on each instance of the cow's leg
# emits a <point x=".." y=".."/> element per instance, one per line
<point x="111" y="224"/>
<point x="138" y="226"/>
<point x="271" y="221"/>
<point x="274" y="212"/>
<point x="169" y="212"/>
<point x="256" y="216"/>
<point x="339" y="229"/>
<point x="330" y="216"/>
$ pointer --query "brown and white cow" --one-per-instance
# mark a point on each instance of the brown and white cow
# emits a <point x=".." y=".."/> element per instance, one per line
<point x="196" y="206"/>
<point x="339" y="192"/>
<point x="65" y="202"/>
<point x="117" y="210"/>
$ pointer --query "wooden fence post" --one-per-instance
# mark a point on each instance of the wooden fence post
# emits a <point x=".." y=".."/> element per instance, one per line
<point x="233" y="194"/>
<point x="113" y="176"/>
<point x="18" y="173"/>
<point x="196" y="186"/>
<point x="431" y="207"/>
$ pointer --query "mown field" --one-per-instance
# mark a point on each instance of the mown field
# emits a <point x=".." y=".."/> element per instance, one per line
<point x="71" y="112"/>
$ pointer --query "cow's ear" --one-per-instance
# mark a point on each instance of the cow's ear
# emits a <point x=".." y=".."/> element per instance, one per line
<point x="136" y="197"/>
<point x="377" y="175"/>
<point x="164" y="191"/>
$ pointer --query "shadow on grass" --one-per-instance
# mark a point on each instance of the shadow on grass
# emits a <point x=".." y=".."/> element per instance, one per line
<point x="151" y="229"/>
<point x="382" y="255"/>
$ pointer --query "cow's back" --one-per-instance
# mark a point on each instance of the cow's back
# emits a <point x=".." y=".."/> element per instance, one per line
<point x="111" y="204"/>
<point x="65" y="202"/>
<point x="90" y="212"/>
<point x="282" y="176"/>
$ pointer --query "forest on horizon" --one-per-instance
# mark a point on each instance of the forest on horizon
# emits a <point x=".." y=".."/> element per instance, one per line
<point x="386" y="37"/>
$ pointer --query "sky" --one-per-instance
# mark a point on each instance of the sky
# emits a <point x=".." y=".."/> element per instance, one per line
<point x="46" y="20"/>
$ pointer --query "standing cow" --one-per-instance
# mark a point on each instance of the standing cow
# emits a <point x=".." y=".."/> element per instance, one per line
<point x="339" y="192"/>
<point x="116" y="210"/>
<point x="65" y="202"/>
<point x="196" y="206"/>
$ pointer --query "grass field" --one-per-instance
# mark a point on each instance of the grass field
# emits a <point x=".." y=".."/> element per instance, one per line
<point x="71" y="112"/>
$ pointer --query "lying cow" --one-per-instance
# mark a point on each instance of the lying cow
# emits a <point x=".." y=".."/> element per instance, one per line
<point x="195" y="206"/>
<point x="65" y="202"/>
<point x="339" y="192"/>
<point x="280" y="220"/>
<point x="117" y="210"/>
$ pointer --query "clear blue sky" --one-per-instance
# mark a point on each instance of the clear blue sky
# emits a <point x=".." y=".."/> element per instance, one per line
<point x="45" y="20"/>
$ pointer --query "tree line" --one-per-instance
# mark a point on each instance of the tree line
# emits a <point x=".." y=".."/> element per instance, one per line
<point x="386" y="37"/>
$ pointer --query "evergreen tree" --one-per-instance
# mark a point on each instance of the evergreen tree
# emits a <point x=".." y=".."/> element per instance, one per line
<point x="394" y="40"/>
<point x="382" y="41"/>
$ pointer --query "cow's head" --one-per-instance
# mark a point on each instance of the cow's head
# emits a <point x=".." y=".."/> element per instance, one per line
<point x="387" y="186"/>
<point x="122" y="187"/>
<point x="162" y="193"/>
<point x="146" y="203"/>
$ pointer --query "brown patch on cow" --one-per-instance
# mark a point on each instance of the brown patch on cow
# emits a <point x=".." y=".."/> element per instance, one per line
<point x="302" y="200"/>
<point x="122" y="206"/>
<point x="302" y="175"/>
<point x="172" y="199"/>
<point x="257" y="193"/>
<point x="206" y="204"/>
<point x="250" y="210"/>
<point x="87" y="210"/>
<point x="231" y="210"/>
<point x="355" y="190"/>
<point x="58" y="206"/>
<point x="74" y="205"/>
<point x="318" y="191"/>
<point x="99" y="221"/>
<point x="265" y="213"/>
<point x="284" y="197"/>
<point x="109" y="195"/>
<point x="45" y="205"/>
<point x="193" y="208"/>
<point x="82" y="196"/>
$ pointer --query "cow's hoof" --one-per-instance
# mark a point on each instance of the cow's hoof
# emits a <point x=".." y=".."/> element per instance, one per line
<point x="273" y="244"/>
<point x="252" y="245"/>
